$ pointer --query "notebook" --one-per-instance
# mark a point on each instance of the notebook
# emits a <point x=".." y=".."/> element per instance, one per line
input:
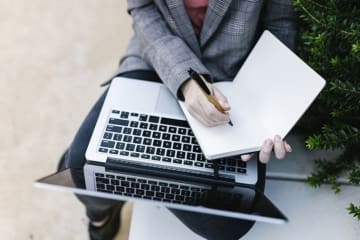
<point x="269" y="94"/>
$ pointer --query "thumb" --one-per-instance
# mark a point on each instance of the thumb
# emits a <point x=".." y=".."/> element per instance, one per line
<point x="221" y="99"/>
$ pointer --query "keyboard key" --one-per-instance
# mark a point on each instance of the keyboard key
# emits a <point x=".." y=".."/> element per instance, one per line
<point x="200" y="157"/>
<point x="146" y="133"/>
<point x="130" y="147"/>
<point x="159" y="194"/>
<point x="185" y="139"/>
<point x="134" y="124"/>
<point x="199" y="164"/>
<point x="156" y="135"/>
<point x="166" y="159"/>
<point x="157" y="143"/>
<point x="176" y="138"/>
<point x="102" y="180"/>
<point x="127" y="138"/>
<point x="177" y="161"/>
<point x="127" y="130"/>
<point x="154" y="119"/>
<point x="124" y="115"/>
<point x="150" y="150"/>
<point x="167" y="144"/>
<point x="187" y="162"/>
<point x="182" y="131"/>
<point x="112" y="151"/>
<point x="121" y="122"/>
<point x="139" y="191"/>
<point x="166" y="136"/>
<point x="115" y="182"/>
<point x="163" y="128"/>
<point x="124" y="153"/>
<point x="112" y="128"/>
<point x="241" y="164"/>
<point x="190" y="156"/>
<point x="173" y="122"/>
<point x="241" y="170"/>
<point x="170" y="153"/>
<point x="145" y="156"/>
<point x="165" y="189"/>
<point x="153" y="127"/>
<point x="147" y="141"/>
<point x="143" y="125"/>
<point x="134" y="154"/>
<point x="134" y="114"/>
<point x="120" y="189"/>
<point x="196" y="149"/>
<point x="135" y="185"/>
<point x="145" y="186"/>
<point x="180" y="154"/>
<point x="160" y="151"/>
<point x="137" y="140"/>
<point x="140" y="148"/>
<point x="107" y="144"/>
<point x="117" y="137"/>
<point x="177" y="146"/>
<point x="172" y="129"/>
<point x="143" y="117"/>
<point x="107" y="135"/>
<point x="151" y="182"/>
<point x="137" y="132"/>
<point x="120" y="145"/>
<point x="209" y="165"/>
<point x="231" y="162"/>
<point x="103" y="150"/>
<point x="156" y="158"/>
<point x="187" y="147"/>
<point x="115" y="111"/>
<point x="230" y="169"/>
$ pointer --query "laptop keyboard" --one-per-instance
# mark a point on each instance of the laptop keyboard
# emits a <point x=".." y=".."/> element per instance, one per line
<point x="159" y="140"/>
<point x="151" y="189"/>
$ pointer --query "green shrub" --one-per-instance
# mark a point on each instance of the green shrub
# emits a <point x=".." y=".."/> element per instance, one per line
<point x="329" y="41"/>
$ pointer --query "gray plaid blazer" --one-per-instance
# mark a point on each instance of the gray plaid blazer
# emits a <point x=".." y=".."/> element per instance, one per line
<point x="164" y="39"/>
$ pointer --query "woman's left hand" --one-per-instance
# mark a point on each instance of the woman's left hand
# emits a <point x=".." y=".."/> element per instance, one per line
<point x="277" y="145"/>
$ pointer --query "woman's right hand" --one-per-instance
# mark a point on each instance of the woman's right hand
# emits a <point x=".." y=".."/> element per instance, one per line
<point x="199" y="106"/>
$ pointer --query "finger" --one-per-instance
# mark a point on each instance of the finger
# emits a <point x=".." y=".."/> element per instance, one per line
<point x="266" y="150"/>
<point x="246" y="157"/>
<point x="279" y="147"/>
<point x="209" y="111"/>
<point x="288" y="148"/>
<point x="221" y="99"/>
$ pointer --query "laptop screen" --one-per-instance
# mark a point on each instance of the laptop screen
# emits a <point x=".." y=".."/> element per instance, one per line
<point x="228" y="201"/>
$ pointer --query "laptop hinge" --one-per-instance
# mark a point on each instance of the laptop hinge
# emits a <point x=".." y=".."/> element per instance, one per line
<point x="124" y="165"/>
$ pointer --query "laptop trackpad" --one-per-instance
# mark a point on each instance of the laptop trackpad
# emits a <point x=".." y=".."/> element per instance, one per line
<point x="167" y="104"/>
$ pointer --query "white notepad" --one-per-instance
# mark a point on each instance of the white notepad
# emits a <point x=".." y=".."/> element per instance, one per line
<point x="270" y="93"/>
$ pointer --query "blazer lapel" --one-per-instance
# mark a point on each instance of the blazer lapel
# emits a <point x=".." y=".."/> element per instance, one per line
<point x="214" y="14"/>
<point x="183" y="24"/>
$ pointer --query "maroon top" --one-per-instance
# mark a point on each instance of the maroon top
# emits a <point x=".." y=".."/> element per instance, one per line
<point x="196" y="9"/>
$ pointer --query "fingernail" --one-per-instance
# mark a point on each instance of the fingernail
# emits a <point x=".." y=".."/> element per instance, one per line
<point x="277" y="138"/>
<point x="245" y="158"/>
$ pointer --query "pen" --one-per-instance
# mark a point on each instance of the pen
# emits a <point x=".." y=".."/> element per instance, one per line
<point x="211" y="98"/>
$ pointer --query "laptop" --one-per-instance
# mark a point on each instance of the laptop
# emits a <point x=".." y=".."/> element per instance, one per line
<point x="141" y="124"/>
<point x="142" y="149"/>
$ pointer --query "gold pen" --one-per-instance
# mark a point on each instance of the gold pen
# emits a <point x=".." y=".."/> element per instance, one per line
<point x="211" y="98"/>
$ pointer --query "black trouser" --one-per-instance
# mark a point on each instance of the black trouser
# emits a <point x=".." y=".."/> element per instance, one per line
<point x="208" y="226"/>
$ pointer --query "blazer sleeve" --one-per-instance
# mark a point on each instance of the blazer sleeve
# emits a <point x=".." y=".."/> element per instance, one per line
<point x="280" y="18"/>
<point x="161" y="48"/>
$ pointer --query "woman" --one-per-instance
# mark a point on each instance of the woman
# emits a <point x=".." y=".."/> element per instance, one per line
<point x="213" y="38"/>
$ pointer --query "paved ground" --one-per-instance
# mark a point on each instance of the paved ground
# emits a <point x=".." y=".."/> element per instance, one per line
<point x="51" y="49"/>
